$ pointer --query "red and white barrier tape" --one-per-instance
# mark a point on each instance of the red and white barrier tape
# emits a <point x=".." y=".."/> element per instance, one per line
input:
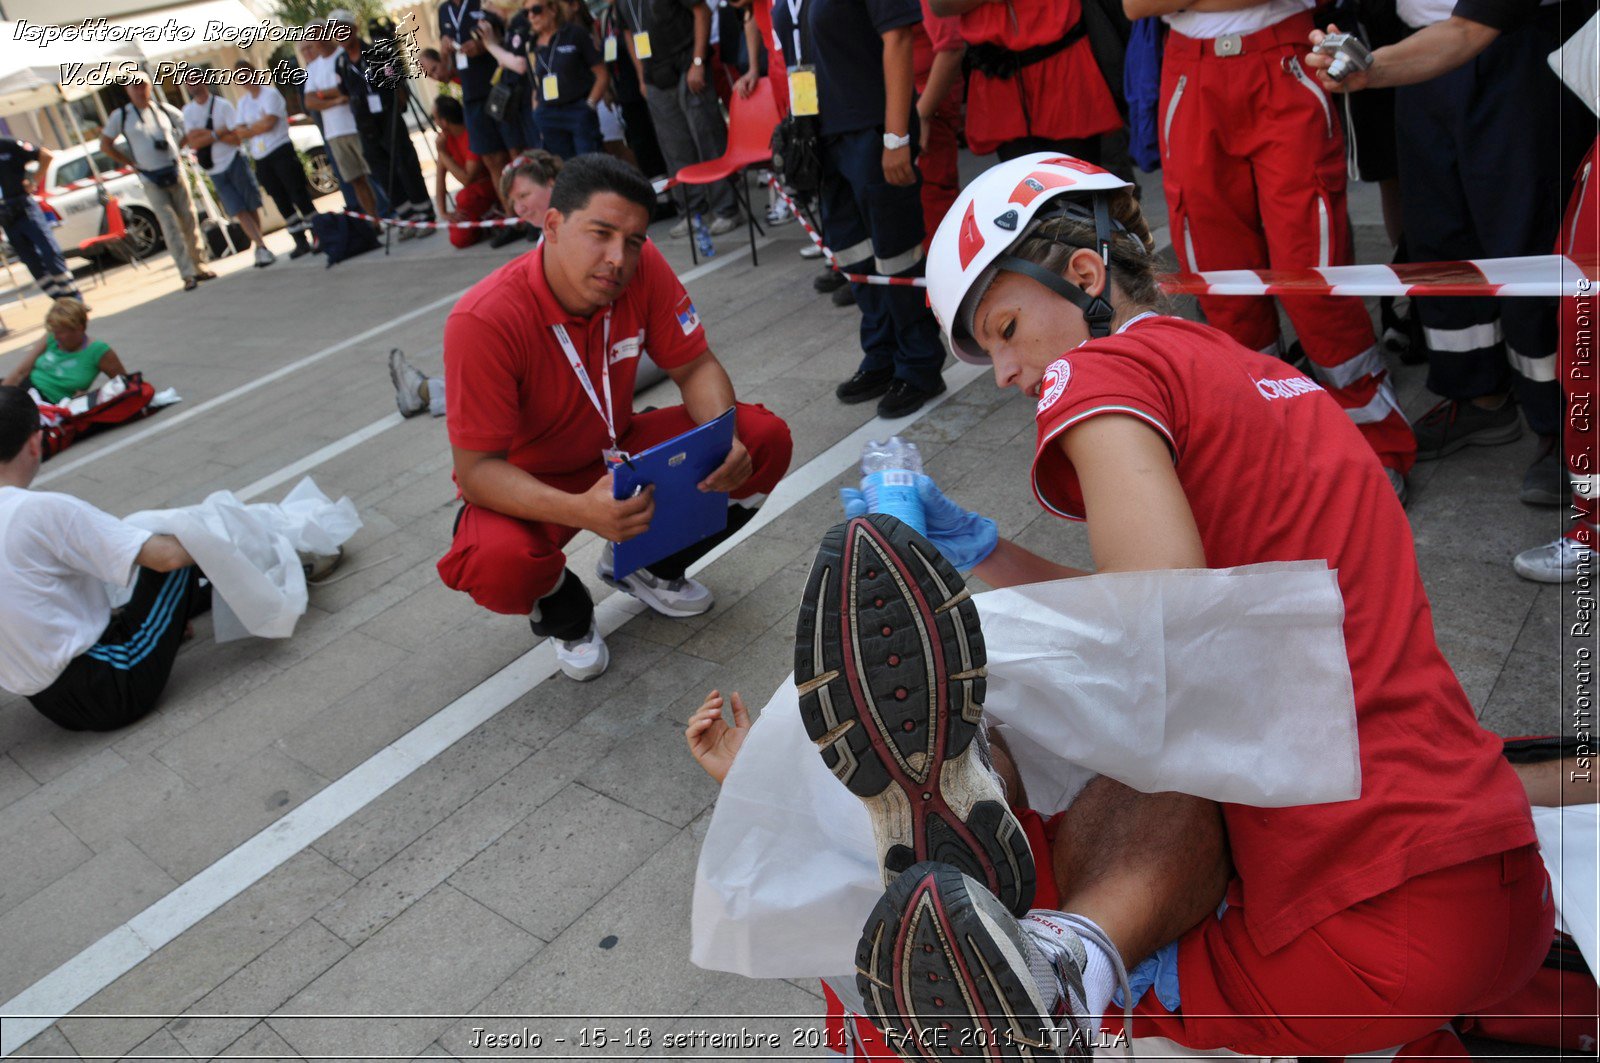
<point x="492" y="223"/>
<point x="1534" y="275"/>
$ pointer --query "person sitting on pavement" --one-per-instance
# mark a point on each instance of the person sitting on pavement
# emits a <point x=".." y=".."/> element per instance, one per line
<point x="62" y="646"/>
<point x="23" y="220"/>
<point x="210" y="120"/>
<point x="153" y="133"/>
<point x="64" y="362"/>
<point x="1348" y="926"/>
<point x="533" y="356"/>
<point x="476" y="197"/>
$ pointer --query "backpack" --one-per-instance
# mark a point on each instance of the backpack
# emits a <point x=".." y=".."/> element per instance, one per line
<point x="341" y="236"/>
<point x="1141" y="84"/>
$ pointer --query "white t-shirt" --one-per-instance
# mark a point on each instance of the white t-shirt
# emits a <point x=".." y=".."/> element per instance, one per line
<point x="57" y="554"/>
<point x="222" y="117"/>
<point x="253" y="108"/>
<point x="160" y="122"/>
<point x="322" y="74"/>
<point x="1204" y="25"/>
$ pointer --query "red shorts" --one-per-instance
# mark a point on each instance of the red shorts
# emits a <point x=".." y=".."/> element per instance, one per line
<point x="1384" y="972"/>
<point x="472" y="203"/>
<point x="508" y="564"/>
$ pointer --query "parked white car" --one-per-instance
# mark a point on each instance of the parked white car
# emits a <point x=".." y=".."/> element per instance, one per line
<point x="69" y="191"/>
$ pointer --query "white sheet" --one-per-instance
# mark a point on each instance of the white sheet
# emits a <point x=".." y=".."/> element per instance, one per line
<point x="1230" y="684"/>
<point x="250" y="553"/>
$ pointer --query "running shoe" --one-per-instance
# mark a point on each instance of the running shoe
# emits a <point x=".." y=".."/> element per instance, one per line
<point x="583" y="659"/>
<point x="1451" y="425"/>
<point x="890" y="666"/>
<point x="676" y="598"/>
<point x="948" y="973"/>
<point x="1557" y="562"/>
<point x="408" y="384"/>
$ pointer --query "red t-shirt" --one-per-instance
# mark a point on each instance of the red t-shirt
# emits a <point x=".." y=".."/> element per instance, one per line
<point x="509" y="386"/>
<point x="1274" y="470"/>
<point x="1063" y="97"/>
<point x="459" y="147"/>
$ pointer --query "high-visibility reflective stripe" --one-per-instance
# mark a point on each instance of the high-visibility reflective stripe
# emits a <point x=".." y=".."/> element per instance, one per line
<point x="1539" y="370"/>
<point x="897" y="265"/>
<point x="855" y="254"/>
<point x="1368" y="363"/>
<point x="1462" y="340"/>
<point x="1380" y="406"/>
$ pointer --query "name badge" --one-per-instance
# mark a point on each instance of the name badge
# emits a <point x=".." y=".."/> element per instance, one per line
<point x="611" y="50"/>
<point x="803" y="90"/>
<point x="552" y="87"/>
<point x="374" y="103"/>
<point x="461" y="61"/>
<point x="641" y="45"/>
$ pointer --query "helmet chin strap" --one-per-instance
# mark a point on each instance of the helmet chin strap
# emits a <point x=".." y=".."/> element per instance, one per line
<point x="1097" y="309"/>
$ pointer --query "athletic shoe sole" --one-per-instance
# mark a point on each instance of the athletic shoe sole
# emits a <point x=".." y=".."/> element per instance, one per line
<point x="405" y="397"/>
<point x="649" y="598"/>
<point x="943" y="969"/>
<point x="889" y="665"/>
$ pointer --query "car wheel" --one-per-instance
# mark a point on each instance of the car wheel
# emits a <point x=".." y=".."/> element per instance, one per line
<point x="144" y="235"/>
<point x="319" y="171"/>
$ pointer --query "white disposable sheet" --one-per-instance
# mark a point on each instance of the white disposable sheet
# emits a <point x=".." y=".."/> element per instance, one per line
<point x="1228" y="684"/>
<point x="250" y="553"/>
<point x="1569" y="841"/>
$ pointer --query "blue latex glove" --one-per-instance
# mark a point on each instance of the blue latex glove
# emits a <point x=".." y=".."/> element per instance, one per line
<point x="963" y="537"/>
<point x="1159" y="971"/>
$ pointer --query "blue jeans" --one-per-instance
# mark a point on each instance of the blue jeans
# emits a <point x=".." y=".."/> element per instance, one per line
<point x="876" y="227"/>
<point x="36" y="246"/>
<point x="568" y="129"/>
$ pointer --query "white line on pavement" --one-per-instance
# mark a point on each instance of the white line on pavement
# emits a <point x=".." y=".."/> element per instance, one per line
<point x="32" y="1011"/>
<point x="172" y="420"/>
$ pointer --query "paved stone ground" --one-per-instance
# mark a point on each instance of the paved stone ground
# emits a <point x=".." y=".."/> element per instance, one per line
<point x="542" y="864"/>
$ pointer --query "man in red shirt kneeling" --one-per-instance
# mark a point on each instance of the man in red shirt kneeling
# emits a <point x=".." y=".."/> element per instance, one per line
<point x="533" y="356"/>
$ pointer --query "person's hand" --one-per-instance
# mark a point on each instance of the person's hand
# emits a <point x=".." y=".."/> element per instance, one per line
<point x="697" y="79"/>
<point x="614" y="519"/>
<point x="711" y="741"/>
<point x="486" y="33"/>
<point x="1318" y="64"/>
<point x="897" y="169"/>
<point x="440" y="140"/>
<point x="732" y="473"/>
<point x="963" y="537"/>
<point x="746" y="84"/>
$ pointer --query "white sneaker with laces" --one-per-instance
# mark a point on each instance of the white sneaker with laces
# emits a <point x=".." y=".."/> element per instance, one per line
<point x="779" y="214"/>
<point x="265" y="257"/>
<point x="680" y="230"/>
<point x="408" y="383"/>
<point x="675" y="598"/>
<point x="585" y="658"/>
<point x="811" y="251"/>
<point x="1556" y="562"/>
<point x="724" y="223"/>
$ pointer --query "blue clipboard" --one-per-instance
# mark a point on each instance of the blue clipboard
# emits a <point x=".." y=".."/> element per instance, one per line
<point x="684" y="513"/>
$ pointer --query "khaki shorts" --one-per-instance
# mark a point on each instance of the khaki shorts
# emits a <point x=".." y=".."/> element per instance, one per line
<point x="346" y="151"/>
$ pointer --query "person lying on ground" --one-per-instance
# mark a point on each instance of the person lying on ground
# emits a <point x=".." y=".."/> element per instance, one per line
<point x="82" y="664"/>
<point x="65" y="362"/>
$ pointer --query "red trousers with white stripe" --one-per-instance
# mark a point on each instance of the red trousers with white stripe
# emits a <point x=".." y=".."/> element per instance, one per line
<point x="1578" y="360"/>
<point x="1254" y="166"/>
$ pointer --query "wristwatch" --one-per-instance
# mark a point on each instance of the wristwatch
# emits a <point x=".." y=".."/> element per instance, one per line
<point x="894" y="143"/>
<point x="699" y="61"/>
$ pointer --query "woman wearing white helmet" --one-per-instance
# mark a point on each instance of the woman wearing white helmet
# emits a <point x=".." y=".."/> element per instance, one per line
<point x="1381" y="917"/>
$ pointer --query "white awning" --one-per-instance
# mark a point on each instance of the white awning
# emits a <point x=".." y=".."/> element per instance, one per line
<point x="195" y="17"/>
<point x="30" y="73"/>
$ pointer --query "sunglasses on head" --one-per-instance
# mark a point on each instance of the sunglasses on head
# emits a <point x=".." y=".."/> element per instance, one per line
<point x="536" y="9"/>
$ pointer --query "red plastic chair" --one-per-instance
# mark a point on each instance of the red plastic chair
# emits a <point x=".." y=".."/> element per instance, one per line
<point x="750" y="125"/>
<point x="114" y="239"/>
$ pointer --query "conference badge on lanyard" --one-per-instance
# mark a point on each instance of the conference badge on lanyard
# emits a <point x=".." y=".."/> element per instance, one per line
<point x="641" y="45"/>
<point x="611" y="50"/>
<point x="612" y="454"/>
<point x="803" y="91"/>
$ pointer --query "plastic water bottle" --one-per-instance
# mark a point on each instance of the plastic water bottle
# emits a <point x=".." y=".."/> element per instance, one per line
<point x="890" y="470"/>
<point x="702" y="238"/>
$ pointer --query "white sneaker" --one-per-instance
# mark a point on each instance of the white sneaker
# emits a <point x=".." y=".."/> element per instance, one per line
<point x="811" y="251"/>
<point x="264" y="257"/>
<point x="408" y="384"/>
<point x="585" y="658"/>
<point x="679" y="230"/>
<point x="725" y="224"/>
<point x="675" y="598"/>
<point x="779" y="214"/>
<point x="1555" y="562"/>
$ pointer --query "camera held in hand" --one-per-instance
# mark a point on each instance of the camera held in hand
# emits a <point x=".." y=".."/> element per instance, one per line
<point x="1348" y="52"/>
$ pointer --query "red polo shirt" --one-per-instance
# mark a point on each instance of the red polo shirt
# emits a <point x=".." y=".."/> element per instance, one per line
<point x="509" y="385"/>
<point x="1274" y="470"/>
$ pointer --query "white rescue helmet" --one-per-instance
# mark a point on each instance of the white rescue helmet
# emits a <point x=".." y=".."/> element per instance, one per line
<point x="995" y="213"/>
